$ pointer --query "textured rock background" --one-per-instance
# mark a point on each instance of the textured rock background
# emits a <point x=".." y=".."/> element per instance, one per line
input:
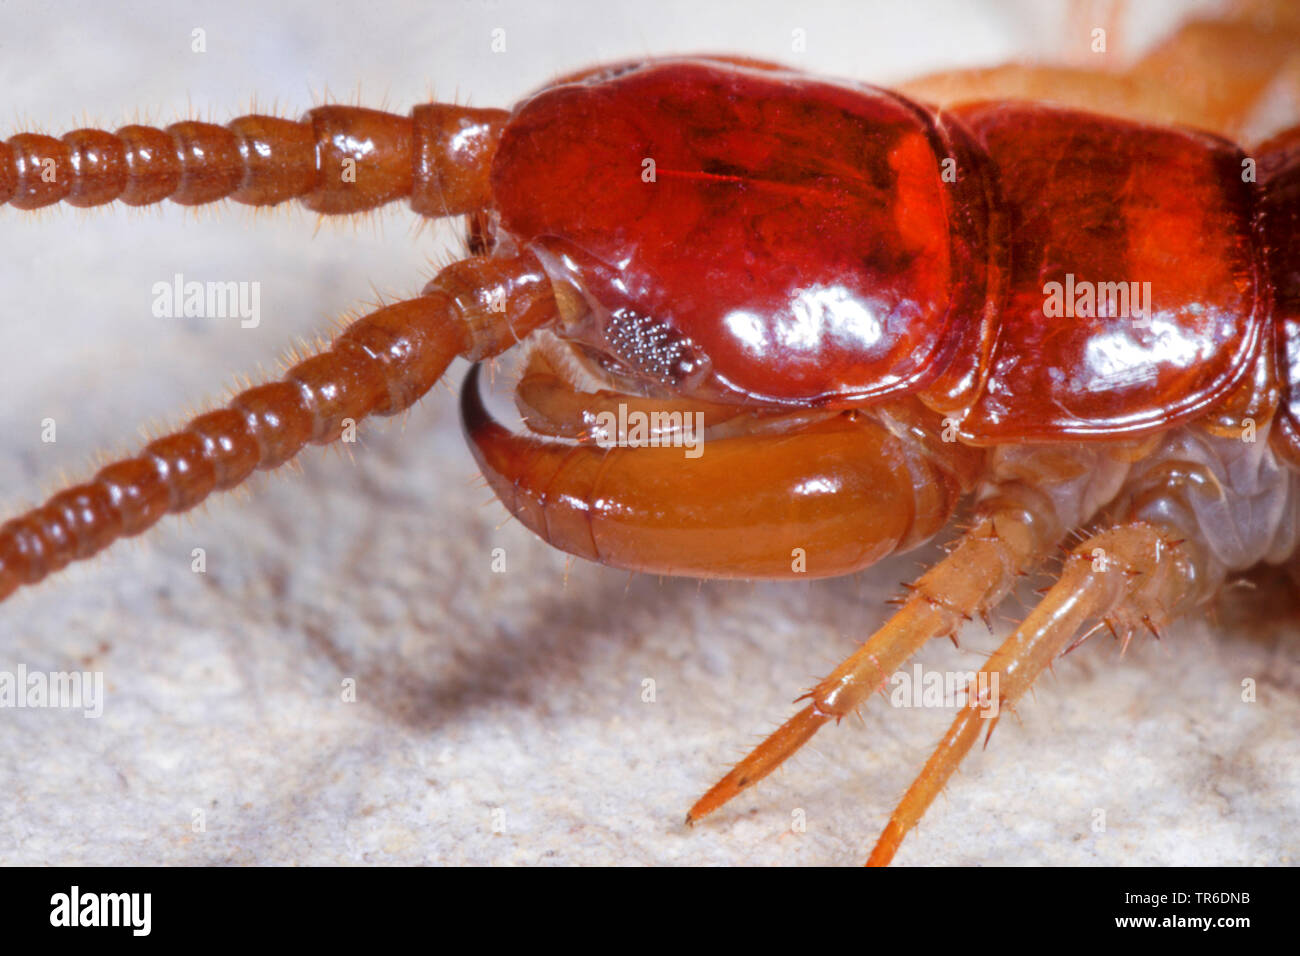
<point x="477" y="691"/>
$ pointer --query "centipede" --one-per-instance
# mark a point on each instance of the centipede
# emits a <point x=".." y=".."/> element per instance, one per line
<point x="724" y="319"/>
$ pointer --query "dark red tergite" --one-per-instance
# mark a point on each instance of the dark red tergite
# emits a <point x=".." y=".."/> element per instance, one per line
<point x="798" y="239"/>
<point x="792" y="234"/>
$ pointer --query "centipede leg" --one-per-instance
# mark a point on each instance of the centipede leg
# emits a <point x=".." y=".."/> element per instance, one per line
<point x="1032" y="497"/>
<point x="973" y="579"/>
<point x="1132" y="575"/>
<point x="1242" y="66"/>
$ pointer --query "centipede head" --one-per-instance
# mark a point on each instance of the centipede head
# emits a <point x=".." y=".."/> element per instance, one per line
<point x="740" y="234"/>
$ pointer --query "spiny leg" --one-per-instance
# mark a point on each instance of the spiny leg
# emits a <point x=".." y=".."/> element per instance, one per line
<point x="973" y="578"/>
<point x="1019" y="524"/>
<point x="379" y="365"/>
<point x="1136" y="575"/>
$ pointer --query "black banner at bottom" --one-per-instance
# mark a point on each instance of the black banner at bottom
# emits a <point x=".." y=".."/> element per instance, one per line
<point x="220" y="905"/>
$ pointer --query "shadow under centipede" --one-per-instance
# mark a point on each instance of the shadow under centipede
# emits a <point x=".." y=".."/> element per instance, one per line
<point x="521" y="667"/>
<point x="1262" y="606"/>
<point x="547" y="654"/>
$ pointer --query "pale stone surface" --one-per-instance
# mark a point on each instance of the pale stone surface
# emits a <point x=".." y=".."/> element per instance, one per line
<point x="481" y="692"/>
